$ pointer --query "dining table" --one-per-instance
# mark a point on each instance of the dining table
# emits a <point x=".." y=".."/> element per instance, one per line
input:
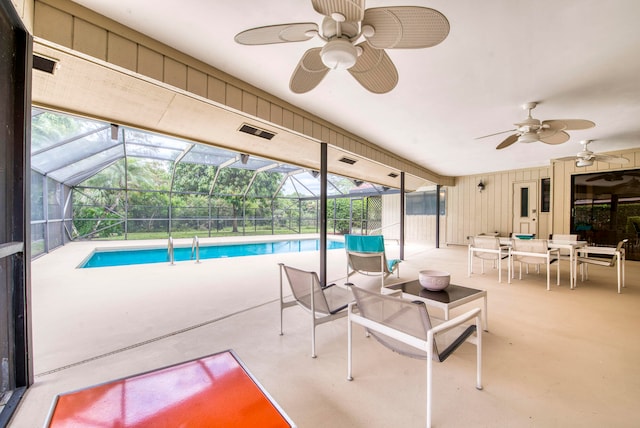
<point x="561" y="244"/>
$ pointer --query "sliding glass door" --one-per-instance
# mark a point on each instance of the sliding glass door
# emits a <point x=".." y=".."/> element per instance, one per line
<point x="606" y="208"/>
<point x="15" y="54"/>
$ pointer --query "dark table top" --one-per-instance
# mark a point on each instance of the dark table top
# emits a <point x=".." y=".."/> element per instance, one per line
<point x="448" y="295"/>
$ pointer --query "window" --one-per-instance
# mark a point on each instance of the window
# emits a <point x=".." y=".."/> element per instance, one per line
<point x="524" y="202"/>
<point x="545" y="197"/>
<point x="424" y="203"/>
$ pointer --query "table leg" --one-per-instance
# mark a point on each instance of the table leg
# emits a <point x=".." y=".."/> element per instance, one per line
<point x="572" y="269"/>
<point x="486" y="314"/>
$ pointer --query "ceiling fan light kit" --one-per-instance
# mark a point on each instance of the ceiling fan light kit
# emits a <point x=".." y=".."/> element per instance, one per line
<point x="355" y="40"/>
<point x="583" y="162"/>
<point x="339" y="54"/>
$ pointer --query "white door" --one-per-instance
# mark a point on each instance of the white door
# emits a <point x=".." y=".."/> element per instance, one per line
<point x="525" y="207"/>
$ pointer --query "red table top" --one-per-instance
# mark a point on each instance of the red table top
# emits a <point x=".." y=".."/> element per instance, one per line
<point x="213" y="391"/>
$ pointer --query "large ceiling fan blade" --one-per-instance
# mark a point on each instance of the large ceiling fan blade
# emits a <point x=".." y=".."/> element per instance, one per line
<point x="374" y="70"/>
<point x="352" y="10"/>
<point x="508" y="141"/>
<point x="283" y="33"/>
<point x="497" y="133"/>
<point x="611" y="159"/>
<point x="309" y="72"/>
<point x="569" y="124"/>
<point x="557" y="138"/>
<point x="405" y="27"/>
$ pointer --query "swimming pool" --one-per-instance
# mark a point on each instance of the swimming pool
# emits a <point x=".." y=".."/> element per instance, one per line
<point x="135" y="256"/>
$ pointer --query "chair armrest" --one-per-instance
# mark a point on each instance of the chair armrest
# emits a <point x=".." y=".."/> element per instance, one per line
<point x="609" y="251"/>
<point x="389" y="292"/>
<point x="454" y="322"/>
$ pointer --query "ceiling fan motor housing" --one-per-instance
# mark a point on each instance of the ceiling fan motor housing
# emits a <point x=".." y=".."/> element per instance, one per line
<point x="339" y="54"/>
<point x="528" y="137"/>
<point x="584" y="162"/>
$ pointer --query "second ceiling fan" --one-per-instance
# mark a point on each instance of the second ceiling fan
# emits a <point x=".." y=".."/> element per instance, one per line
<point x="345" y="22"/>
<point x="532" y="130"/>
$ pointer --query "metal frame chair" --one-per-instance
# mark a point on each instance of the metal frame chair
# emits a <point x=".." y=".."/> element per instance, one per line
<point x="323" y="303"/>
<point x="487" y="248"/>
<point x="406" y="327"/>
<point x="534" y="252"/>
<point x="616" y="259"/>
<point x="366" y="255"/>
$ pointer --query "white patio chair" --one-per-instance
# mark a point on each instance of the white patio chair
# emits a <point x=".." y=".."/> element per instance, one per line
<point x="487" y="248"/>
<point x="534" y="252"/>
<point x="405" y="326"/>
<point x="324" y="304"/>
<point x="564" y="253"/>
<point x="603" y="256"/>
<point x="366" y="255"/>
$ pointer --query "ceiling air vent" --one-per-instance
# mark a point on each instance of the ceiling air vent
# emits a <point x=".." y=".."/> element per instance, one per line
<point x="347" y="160"/>
<point x="44" y="64"/>
<point x="392" y="175"/>
<point x="248" y="129"/>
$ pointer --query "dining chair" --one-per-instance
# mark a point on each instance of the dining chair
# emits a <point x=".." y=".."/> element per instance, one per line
<point x="323" y="303"/>
<point x="534" y="252"/>
<point x="486" y="247"/>
<point x="603" y="256"/>
<point x="406" y="327"/>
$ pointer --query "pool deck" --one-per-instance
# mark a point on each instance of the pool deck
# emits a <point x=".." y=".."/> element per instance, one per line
<point x="551" y="358"/>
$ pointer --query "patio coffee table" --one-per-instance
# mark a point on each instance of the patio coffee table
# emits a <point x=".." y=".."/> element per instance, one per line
<point x="447" y="299"/>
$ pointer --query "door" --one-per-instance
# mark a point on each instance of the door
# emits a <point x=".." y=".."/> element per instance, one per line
<point x="525" y="207"/>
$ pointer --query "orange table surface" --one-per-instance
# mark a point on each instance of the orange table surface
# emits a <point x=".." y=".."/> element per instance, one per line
<point x="213" y="391"/>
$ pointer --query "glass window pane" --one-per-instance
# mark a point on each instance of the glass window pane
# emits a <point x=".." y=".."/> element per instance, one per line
<point x="524" y="202"/>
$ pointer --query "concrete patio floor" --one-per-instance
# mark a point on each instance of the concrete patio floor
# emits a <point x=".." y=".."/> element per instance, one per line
<point x="554" y="358"/>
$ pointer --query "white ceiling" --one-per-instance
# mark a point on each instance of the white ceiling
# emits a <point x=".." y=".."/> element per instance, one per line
<point x="580" y="59"/>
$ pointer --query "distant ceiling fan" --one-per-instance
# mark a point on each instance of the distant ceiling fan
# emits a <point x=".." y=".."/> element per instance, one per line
<point x="586" y="157"/>
<point x="344" y="23"/>
<point x="532" y="130"/>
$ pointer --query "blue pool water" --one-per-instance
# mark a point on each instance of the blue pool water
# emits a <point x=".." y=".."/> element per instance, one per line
<point x="135" y="256"/>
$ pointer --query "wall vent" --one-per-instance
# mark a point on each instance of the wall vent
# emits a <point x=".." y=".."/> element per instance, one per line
<point x="248" y="129"/>
<point x="393" y="175"/>
<point x="44" y="64"/>
<point x="347" y="160"/>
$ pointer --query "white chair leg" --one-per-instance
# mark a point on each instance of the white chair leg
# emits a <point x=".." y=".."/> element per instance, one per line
<point x="548" y="274"/>
<point x="313" y="338"/>
<point x="349" y="356"/>
<point x="618" y="269"/>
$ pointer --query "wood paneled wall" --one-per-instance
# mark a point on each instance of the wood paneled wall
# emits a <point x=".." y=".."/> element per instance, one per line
<point x="471" y="212"/>
<point x="418" y="228"/>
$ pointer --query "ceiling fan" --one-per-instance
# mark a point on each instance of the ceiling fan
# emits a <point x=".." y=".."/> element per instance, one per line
<point x="532" y="130"/>
<point x="345" y="22"/>
<point x="586" y="157"/>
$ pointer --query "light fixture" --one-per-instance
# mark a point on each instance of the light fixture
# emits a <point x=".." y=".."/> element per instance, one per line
<point x="244" y="158"/>
<point x="480" y="186"/>
<point x="528" y="137"/>
<point x="315" y="173"/>
<point x="358" y="183"/>
<point x="339" y="54"/>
